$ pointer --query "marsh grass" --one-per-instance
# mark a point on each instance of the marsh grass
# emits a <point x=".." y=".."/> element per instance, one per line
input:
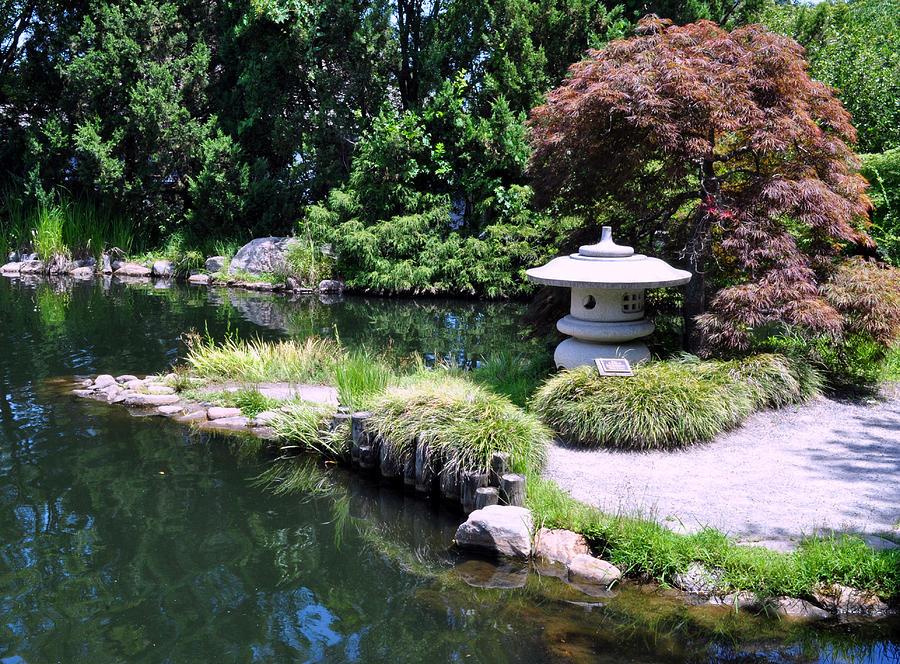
<point x="643" y="547"/>
<point x="312" y="360"/>
<point x="668" y="404"/>
<point x="463" y="422"/>
<point x="306" y="425"/>
<point x="359" y="376"/>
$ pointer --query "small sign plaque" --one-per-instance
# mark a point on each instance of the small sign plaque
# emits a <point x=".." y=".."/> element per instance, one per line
<point x="613" y="366"/>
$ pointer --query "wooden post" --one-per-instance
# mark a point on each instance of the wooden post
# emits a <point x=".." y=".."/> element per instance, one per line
<point x="486" y="495"/>
<point x="338" y="419"/>
<point x="425" y="476"/>
<point x="499" y="467"/>
<point x="450" y="485"/>
<point x="358" y="433"/>
<point x="369" y="452"/>
<point x="409" y="469"/>
<point x="512" y="489"/>
<point x="390" y="464"/>
<point x="471" y="481"/>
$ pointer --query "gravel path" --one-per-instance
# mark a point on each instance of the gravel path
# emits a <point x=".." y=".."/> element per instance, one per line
<point x="783" y="474"/>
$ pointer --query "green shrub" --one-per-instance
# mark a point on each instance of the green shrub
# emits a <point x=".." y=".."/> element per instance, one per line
<point x="882" y="170"/>
<point x="462" y="422"/>
<point x="252" y="402"/>
<point x="667" y="404"/>
<point x="306" y="262"/>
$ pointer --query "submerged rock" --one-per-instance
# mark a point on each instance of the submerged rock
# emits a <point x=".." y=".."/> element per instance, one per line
<point x="12" y="267"/>
<point x="792" y="607"/>
<point x="497" y="529"/>
<point x="490" y="574"/>
<point x="585" y="569"/>
<point x="82" y="273"/>
<point x="849" y="601"/>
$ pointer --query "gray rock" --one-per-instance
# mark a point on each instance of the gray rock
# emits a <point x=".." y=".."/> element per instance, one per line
<point x="106" y="267"/>
<point x="849" y="601"/>
<point x="13" y="267"/>
<point x="585" y="569"/>
<point x="264" y="254"/>
<point x="238" y="423"/>
<point x="741" y="600"/>
<point x="215" y="263"/>
<point x="135" y="384"/>
<point x="559" y="546"/>
<point x="698" y="579"/>
<point x="146" y="400"/>
<point x="170" y="410"/>
<point x="157" y="388"/>
<point x="13" y="257"/>
<point x="331" y="286"/>
<point x="265" y="417"/>
<point x="163" y="269"/>
<point x="104" y="380"/>
<point x="792" y="607"/>
<point x="217" y="413"/>
<point x="194" y="416"/>
<point x="31" y="267"/>
<point x="497" y="529"/>
<point x="132" y="270"/>
<point x="126" y="378"/>
<point x="89" y="394"/>
<point x="82" y="273"/>
<point x="111" y="391"/>
<point x="90" y="261"/>
<point x="488" y="574"/>
<point x="199" y="279"/>
<point x="60" y="264"/>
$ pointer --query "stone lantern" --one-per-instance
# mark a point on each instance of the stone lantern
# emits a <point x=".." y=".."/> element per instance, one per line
<point x="608" y="282"/>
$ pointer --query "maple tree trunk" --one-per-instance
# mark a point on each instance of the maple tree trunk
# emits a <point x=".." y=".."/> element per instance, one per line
<point x="694" y="305"/>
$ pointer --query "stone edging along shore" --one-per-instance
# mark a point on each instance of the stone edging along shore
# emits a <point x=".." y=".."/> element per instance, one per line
<point x="491" y="528"/>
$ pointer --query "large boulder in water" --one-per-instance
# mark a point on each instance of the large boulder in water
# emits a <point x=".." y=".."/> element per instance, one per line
<point x="264" y="254"/>
<point x="498" y="529"/>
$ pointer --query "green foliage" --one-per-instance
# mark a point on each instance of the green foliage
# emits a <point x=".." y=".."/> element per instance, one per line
<point x="252" y="402"/>
<point x="514" y="375"/>
<point x="462" y="422"/>
<point x="305" y="425"/>
<point x="855" y="47"/>
<point x="306" y="262"/>
<point x="669" y="403"/>
<point x="882" y="170"/>
<point x="643" y="547"/>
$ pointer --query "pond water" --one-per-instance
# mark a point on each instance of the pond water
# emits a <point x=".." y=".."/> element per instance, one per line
<point x="129" y="539"/>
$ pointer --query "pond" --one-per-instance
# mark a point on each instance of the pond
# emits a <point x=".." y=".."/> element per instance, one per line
<point x="129" y="539"/>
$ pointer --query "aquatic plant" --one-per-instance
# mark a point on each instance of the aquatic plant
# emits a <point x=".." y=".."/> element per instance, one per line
<point x="312" y="360"/>
<point x="359" y="375"/>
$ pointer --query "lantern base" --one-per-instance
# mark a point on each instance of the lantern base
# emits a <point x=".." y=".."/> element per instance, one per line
<point x="573" y="353"/>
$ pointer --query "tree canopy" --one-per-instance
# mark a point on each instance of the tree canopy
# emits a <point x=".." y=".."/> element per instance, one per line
<point x="719" y="146"/>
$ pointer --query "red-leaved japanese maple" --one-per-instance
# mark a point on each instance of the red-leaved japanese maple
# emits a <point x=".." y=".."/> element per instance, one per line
<point x="718" y="147"/>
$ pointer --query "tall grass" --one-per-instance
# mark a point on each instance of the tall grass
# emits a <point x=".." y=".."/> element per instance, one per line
<point x="513" y="374"/>
<point x="310" y="361"/>
<point x="61" y="226"/>
<point x="359" y="376"/>
<point x="306" y="425"/>
<point x="307" y="263"/>
<point x="463" y="423"/>
<point x="668" y="404"/>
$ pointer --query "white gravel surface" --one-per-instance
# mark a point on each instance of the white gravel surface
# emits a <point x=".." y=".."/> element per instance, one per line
<point x="783" y="474"/>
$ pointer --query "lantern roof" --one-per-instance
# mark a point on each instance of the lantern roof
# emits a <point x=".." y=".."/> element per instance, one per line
<point x="608" y="265"/>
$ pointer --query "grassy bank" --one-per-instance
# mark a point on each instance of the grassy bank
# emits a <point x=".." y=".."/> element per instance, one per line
<point x="465" y="422"/>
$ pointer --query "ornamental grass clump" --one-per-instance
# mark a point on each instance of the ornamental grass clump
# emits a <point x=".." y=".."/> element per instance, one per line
<point x="306" y="425"/>
<point x="462" y="423"/>
<point x="672" y="403"/>
<point x="312" y="360"/>
<point x="665" y="404"/>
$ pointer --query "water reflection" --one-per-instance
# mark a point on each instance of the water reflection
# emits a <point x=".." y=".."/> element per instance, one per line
<point x="125" y="539"/>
